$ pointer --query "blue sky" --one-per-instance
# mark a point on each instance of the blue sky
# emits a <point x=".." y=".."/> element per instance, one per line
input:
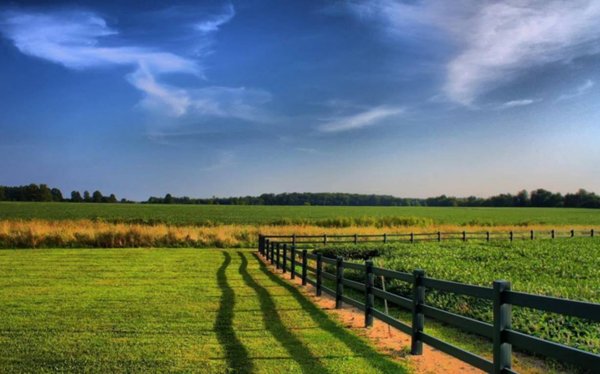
<point x="410" y="98"/>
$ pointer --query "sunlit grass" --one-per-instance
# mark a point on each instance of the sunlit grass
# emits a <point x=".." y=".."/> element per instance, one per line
<point x="165" y="310"/>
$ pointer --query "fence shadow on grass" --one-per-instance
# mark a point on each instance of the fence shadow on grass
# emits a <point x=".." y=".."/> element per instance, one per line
<point x="353" y="342"/>
<point x="235" y="352"/>
<point x="293" y="345"/>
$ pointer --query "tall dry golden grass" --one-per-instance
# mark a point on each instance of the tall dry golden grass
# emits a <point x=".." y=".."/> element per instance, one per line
<point x="87" y="233"/>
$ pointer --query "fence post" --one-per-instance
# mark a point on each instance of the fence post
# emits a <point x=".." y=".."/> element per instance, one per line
<point x="511" y="236"/>
<point x="369" y="298"/>
<point x="464" y="236"/>
<point x="439" y="236"/>
<point x="502" y="322"/>
<point x="412" y="237"/>
<point x="278" y="255"/>
<point x="272" y="253"/>
<point x="487" y="236"/>
<point x="324" y="238"/>
<point x="293" y="263"/>
<point x="591" y="233"/>
<point x="552" y="232"/>
<point x="319" y="273"/>
<point x="339" y="286"/>
<point x="261" y="243"/>
<point x="304" y="259"/>
<point x="418" y="319"/>
<point x="572" y="233"/>
<point x="385" y="237"/>
<point x="355" y="239"/>
<point x="266" y="249"/>
<point x="531" y="234"/>
<point x="285" y="258"/>
<point x="294" y="239"/>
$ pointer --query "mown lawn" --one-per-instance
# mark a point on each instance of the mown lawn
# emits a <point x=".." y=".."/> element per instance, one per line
<point x="165" y="310"/>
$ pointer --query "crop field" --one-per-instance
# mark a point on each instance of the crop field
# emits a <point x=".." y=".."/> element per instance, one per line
<point x="324" y="216"/>
<point x="165" y="310"/>
<point x="567" y="268"/>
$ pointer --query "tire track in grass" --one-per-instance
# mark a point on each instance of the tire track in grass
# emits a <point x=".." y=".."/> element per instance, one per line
<point x="293" y="345"/>
<point x="235" y="352"/>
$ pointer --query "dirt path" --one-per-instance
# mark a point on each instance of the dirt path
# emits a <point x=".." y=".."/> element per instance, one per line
<point x="387" y="339"/>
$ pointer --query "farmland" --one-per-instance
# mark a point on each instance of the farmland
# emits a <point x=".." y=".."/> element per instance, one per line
<point x="324" y="216"/>
<point x="562" y="268"/>
<point x="141" y="310"/>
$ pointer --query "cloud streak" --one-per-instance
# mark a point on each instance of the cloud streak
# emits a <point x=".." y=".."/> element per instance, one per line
<point x="582" y="89"/>
<point x="517" y="103"/>
<point x="82" y="40"/>
<point x="360" y="120"/>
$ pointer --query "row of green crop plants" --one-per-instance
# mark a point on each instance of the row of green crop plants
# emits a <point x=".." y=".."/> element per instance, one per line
<point x="567" y="269"/>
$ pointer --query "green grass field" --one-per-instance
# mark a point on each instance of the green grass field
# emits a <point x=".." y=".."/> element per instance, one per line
<point x="220" y="214"/>
<point x="165" y="310"/>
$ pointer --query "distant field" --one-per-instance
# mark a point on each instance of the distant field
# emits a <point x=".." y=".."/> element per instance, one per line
<point x="157" y="310"/>
<point x="286" y="215"/>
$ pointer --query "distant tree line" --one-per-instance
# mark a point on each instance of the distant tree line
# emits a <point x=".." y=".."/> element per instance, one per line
<point x="537" y="198"/>
<point x="41" y="192"/>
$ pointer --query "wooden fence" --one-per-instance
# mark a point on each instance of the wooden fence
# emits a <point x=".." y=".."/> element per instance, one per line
<point x="296" y="263"/>
<point x="433" y="236"/>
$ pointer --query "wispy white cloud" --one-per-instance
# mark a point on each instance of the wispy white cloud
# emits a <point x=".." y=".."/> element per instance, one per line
<point x="496" y="41"/>
<point x="78" y="40"/>
<point x="580" y="90"/>
<point x="213" y="23"/>
<point x="362" y="119"/>
<point x="517" y="103"/>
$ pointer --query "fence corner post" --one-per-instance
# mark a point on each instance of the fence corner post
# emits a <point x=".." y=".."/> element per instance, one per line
<point x="284" y="264"/>
<point x="267" y="249"/>
<point x="319" y="273"/>
<point x="502" y="322"/>
<point x="369" y="298"/>
<point x="572" y="233"/>
<point x="339" y="279"/>
<point x="418" y="318"/>
<point x="261" y="244"/>
<point x="532" y="235"/>
<point x="552" y="233"/>
<point x="304" y="264"/>
<point x="293" y="263"/>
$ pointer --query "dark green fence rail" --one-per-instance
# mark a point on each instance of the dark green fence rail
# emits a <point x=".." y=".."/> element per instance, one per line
<point x="439" y="236"/>
<point x="296" y="262"/>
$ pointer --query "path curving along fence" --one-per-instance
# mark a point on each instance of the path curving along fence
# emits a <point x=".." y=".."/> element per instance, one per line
<point x="439" y="236"/>
<point x="297" y="262"/>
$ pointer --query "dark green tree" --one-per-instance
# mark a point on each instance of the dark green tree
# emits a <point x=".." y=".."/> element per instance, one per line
<point x="76" y="197"/>
<point x="97" y="197"/>
<point x="56" y="194"/>
<point x="86" y="197"/>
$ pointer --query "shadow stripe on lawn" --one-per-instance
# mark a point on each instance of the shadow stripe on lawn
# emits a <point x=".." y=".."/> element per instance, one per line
<point x="293" y="345"/>
<point x="353" y="342"/>
<point x="235" y="352"/>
